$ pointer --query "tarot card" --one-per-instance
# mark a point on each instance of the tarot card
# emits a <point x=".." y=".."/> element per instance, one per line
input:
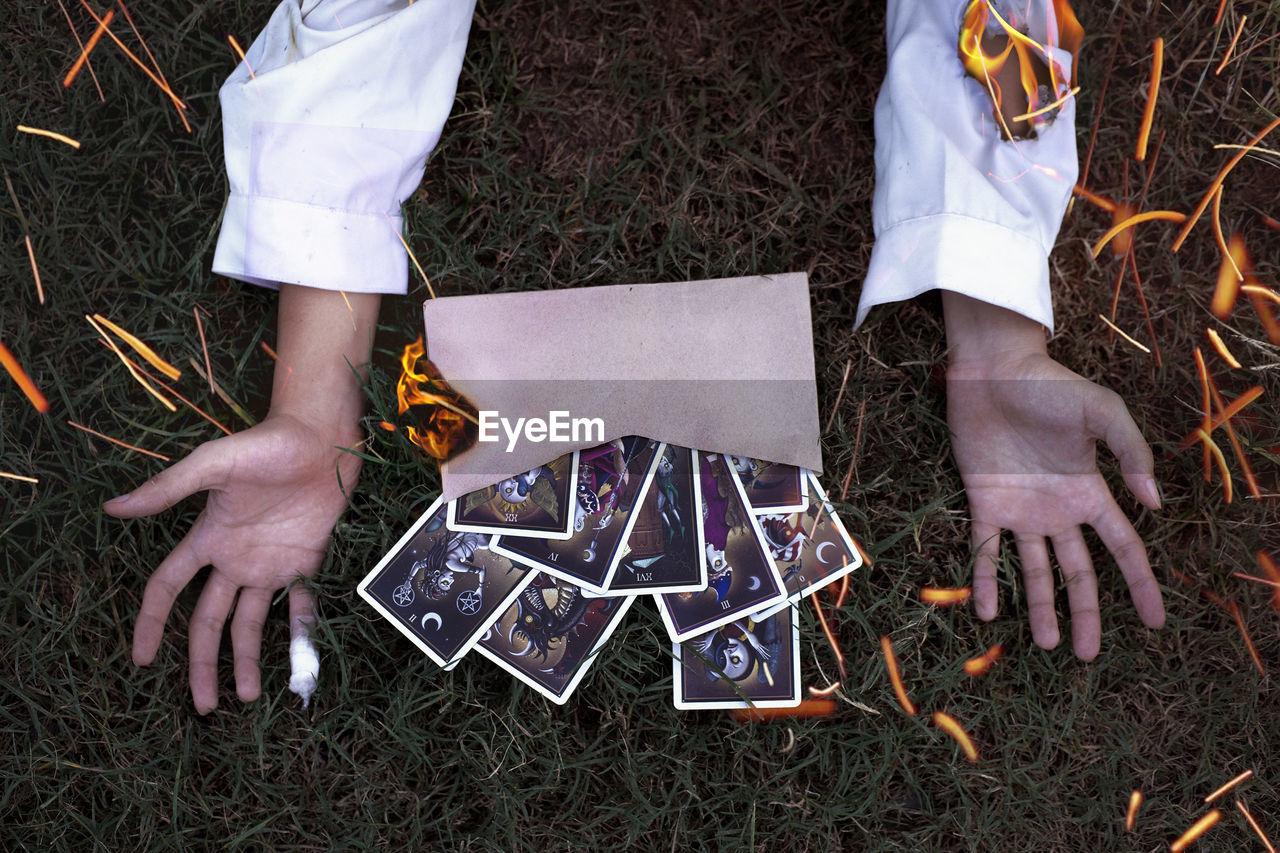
<point x="663" y="551"/>
<point x="610" y="479"/>
<point x="772" y="486"/>
<point x="757" y="655"/>
<point x="442" y="588"/>
<point x="741" y="575"/>
<point x="535" y="503"/>
<point x="812" y="548"/>
<point x="551" y="634"/>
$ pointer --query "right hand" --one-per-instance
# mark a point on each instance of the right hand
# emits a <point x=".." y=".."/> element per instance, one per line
<point x="274" y="498"/>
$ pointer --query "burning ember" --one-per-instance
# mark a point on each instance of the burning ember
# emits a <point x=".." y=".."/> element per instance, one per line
<point x="445" y="431"/>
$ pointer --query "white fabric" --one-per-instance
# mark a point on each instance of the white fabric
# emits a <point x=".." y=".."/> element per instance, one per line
<point x="329" y="134"/>
<point x="956" y="207"/>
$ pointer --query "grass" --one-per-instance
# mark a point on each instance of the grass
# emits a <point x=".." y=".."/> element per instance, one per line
<point x="607" y="143"/>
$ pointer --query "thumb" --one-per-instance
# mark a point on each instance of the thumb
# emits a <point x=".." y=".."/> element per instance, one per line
<point x="199" y="470"/>
<point x="1108" y="419"/>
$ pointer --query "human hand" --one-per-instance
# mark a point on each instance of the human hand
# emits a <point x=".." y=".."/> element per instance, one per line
<point x="1024" y="433"/>
<point x="274" y="497"/>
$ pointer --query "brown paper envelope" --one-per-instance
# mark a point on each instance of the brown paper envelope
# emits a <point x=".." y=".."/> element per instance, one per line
<point x="724" y="365"/>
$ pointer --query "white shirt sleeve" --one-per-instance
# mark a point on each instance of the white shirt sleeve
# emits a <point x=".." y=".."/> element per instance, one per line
<point x="327" y="127"/>
<point x="955" y="206"/>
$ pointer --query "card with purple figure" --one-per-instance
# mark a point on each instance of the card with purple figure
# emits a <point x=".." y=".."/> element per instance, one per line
<point x="753" y="661"/>
<point x="551" y="634"/>
<point x="663" y="551"/>
<point x="812" y="548"/>
<point x="772" y="486"/>
<point x="442" y="588"/>
<point x="741" y="575"/>
<point x="535" y="503"/>
<point x="611" y="478"/>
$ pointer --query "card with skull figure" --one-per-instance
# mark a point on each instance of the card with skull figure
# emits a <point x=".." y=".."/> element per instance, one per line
<point x="535" y="503"/>
<point x="741" y="575"/>
<point x="812" y="548"/>
<point x="442" y="588"/>
<point x="753" y="661"/>
<point x="550" y="635"/>
<point x="772" y="486"/>
<point x="611" y="479"/>
<point x="663" y="549"/>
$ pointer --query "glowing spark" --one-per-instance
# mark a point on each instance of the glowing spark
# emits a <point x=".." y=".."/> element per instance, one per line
<point x="35" y="131"/>
<point x="84" y="54"/>
<point x="21" y="477"/>
<point x="895" y="677"/>
<point x="933" y="595"/>
<point x="1217" y="234"/>
<point x="235" y="45"/>
<point x="948" y="724"/>
<point x="430" y="291"/>
<point x="1245" y="469"/>
<point x="350" y="310"/>
<point x="389" y="427"/>
<point x="142" y="349"/>
<point x="1153" y="88"/>
<point x="1269" y="568"/>
<point x="147" y="51"/>
<point x="204" y="345"/>
<point x="806" y="708"/>
<point x="80" y="44"/>
<point x="1222" y="348"/>
<point x="1229" y="412"/>
<point x="35" y="270"/>
<point x="1253" y="823"/>
<point x="1197" y="829"/>
<point x="1226" y="57"/>
<point x="1229" y="275"/>
<point x="979" y="665"/>
<point x="1122" y="334"/>
<point x="767" y="674"/>
<point x="1222" y="463"/>
<point x="165" y="401"/>
<point x="164" y="87"/>
<point x="268" y="350"/>
<point x="1254" y="149"/>
<point x="831" y="638"/>
<point x="1167" y="215"/>
<point x="1206" y="421"/>
<point x="1217" y="182"/>
<point x="1093" y="198"/>
<point x="1222" y="7"/>
<point x="844" y="586"/>
<point x="24" y="382"/>
<point x="1050" y="107"/>
<point x="1234" y="610"/>
<point x="1227" y="787"/>
<point x="1131" y="816"/>
<point x="824" y="692"/>
<point x="159" y="456"/>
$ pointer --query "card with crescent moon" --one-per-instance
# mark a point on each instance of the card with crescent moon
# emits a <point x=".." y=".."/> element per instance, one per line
<point x="754" y="661"/>
<point x="538" y="503"/>
<point x="663" y="551"/>
<point x="772" y="486"/>
<point x="442" y="588"/>
<point x="812" y="548"/>
<point x="741" y="575"/>
<point x="611" y="480"/>
<point x="551" y="634"/>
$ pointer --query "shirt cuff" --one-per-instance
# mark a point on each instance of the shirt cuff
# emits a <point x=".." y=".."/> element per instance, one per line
<point x="269" y="241"/>
<point x="984" y="260"/>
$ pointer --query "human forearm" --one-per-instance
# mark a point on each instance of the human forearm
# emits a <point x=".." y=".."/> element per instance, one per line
<point x="980" y="334"/>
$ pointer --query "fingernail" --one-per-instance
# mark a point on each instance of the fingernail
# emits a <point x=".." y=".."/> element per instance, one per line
<point x="1153" y="491"/>
<point x="121" y="498"/>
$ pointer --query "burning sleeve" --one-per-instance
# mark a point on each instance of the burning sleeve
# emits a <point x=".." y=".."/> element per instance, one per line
<point x="327" y="125"/>
<point x="957" y="206"/>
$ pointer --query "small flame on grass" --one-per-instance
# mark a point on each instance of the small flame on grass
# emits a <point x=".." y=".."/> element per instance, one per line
<point x="1231" y="48"/>
<point x="948" y="724"/>
<point x="389" y="427"/>
<point x="80" y="44"/>
<point x="1217" y="182"/>
<point x="21" y="477"/>
<point x="1229" y="275"/>
<point x="1153" y="88"/>
<point x="24" y="382"/>
<point x="1197" y="829"/>
<point x="1254" y="824"/>
<point x="446" y="433"/>
<point x="123" y="444"/>
<point x="35" y="131"/>
<point x="1221" y="347"/>
<point x="806" y="708"/>
<point x="1227" y="787"/>
<point x="165" y="401"/>
<point x="1270" y="569"/>
<point x="895" y="677"/>
<point x="35" y="270"/>
<point x="1131" y="816"/>
<point x="142" y="349"/>
<point x="1167" y="215"/>
<point x="1122" y="334"/>
<point x="88" y="48"/>
<point x="979" y="665"/>
<point x="944" y="597"/>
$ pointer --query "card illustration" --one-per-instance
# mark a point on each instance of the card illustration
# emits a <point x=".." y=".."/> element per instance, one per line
<point x="535" y="503"/>
<point x="442" y="588"/>
<point x="663" y="551"/>
<point x="772" y="486"/>
<point x="551" y="634"/>
<point x="610" y="477"/>
<point x="758" y="655"/>
<point x="741" y="575"/>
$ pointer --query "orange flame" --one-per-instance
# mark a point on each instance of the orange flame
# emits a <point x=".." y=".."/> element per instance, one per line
<point x="1229" y="277"/>
<point x="24" y="382"/>
<point x="979" y="665"/>
<point x="891" y="664"/>
<point x="1197" y="829"/>
<point x="948" y="724"/>
<point x="1228" y="786"/>
<point x="933" y="595"/>
<point x="1131" y="816"/>
<point x="445" y="432"/>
